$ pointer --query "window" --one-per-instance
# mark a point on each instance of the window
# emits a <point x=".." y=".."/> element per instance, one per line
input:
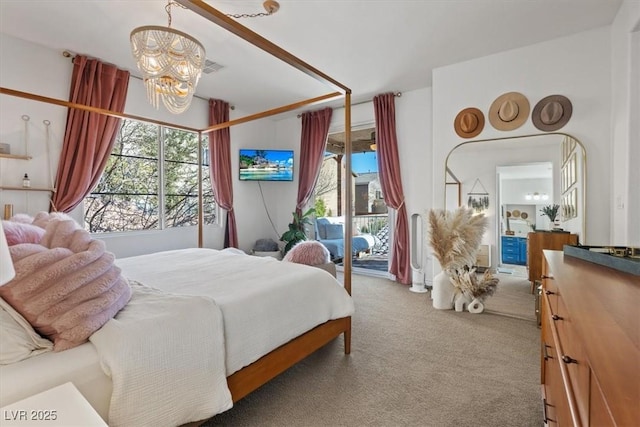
<point x="150" y="182"/>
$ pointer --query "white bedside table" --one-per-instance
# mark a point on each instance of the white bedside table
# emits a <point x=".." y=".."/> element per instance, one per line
<point x="60" y="406"/>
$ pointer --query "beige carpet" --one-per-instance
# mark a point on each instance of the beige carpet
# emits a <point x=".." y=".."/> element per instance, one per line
<point x="513" y="297"/>
<point x="411" y="365"/>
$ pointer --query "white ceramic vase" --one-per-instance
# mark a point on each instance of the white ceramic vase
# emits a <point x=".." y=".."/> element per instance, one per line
<point x="443" y="292"/>
<point x="476" y="306"/>
<point x="462" y="301"/>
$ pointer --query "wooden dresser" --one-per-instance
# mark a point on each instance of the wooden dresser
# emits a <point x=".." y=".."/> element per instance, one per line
<point x="540" y="240"/>
<point x="590" y="345"/>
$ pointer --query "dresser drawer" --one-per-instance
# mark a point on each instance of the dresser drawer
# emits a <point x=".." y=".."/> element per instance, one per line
<point x="574" y="358"/>
<point x="510" y="242"/>
<point x="510" y="258"/>
<point x="511" y="250"/>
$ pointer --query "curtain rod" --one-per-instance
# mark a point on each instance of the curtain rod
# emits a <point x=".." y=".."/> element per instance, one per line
<point x="396" y="94"/>
<point x="68" y="54"/>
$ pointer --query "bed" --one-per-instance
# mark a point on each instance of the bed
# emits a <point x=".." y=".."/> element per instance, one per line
<point x="274" y="314"/>
<point x="84" y="364"/>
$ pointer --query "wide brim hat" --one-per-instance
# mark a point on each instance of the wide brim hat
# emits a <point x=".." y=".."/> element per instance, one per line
<point x="509" y="111"/>
<point x="551" y="113"/>
<point x="469" y="122"/>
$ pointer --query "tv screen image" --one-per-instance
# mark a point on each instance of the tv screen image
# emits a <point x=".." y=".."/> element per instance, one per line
<point x="266" y="165"/>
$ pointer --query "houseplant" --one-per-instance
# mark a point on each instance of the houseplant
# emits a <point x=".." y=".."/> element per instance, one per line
<point x="297" y="231"/>
<point x="551" y="211"/>
<point x="455" y="237"/>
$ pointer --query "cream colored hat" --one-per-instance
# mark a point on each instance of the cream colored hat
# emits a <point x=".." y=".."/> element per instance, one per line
<point x="509" y="111"/>
<point x="469" y="122"/>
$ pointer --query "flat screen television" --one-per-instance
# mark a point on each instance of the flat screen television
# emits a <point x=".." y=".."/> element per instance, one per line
<point x="266" y="165"/>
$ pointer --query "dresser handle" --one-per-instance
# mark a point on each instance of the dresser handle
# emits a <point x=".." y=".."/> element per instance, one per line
<point x="547" y="277"/>
<point x="544" y="411"/>
<point x="566" y="359"/>
<point x="544" y="352"/>
<point x="549" y="292"/>
<point x="556" y="317"/>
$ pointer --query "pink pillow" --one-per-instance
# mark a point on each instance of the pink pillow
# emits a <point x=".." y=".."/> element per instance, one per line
<point x="309" y="252"/>
<point x="19" y="232"/>
<point x="67" y="286"/>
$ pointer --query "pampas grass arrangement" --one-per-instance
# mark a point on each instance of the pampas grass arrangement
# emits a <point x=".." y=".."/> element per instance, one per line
<point x="455" y="237"/>
<point x="468" y="283"/>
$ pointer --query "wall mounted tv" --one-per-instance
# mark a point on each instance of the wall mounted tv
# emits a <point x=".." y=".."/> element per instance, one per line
<point x="266" y="165"/>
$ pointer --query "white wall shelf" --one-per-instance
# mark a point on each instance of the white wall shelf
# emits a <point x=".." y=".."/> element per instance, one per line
<point x="3" y="187"/>
<point x="14" y="156"/>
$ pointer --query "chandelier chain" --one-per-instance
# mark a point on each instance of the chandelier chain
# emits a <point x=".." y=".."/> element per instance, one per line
<point x="249" y="15"/>
<point x="168" y="9"/>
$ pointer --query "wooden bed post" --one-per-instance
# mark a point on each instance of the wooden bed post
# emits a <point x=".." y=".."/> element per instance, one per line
<point x="348" y="179"/>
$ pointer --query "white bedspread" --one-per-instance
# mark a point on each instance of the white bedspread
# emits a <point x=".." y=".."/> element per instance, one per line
<point x="265" y="302"/>
<point x="165" y="356"/>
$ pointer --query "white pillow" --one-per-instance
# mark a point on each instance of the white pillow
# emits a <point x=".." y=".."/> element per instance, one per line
<point x="18" y="340"/>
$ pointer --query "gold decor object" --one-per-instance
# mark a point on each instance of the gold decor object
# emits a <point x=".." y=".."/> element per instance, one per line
<point x="8" y="211"/>
<point x="170" y="61"/>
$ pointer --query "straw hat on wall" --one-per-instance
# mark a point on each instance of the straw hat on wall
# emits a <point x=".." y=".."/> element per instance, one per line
<point x="552" y="113"/>
<point x="469" y="122"/>
<point x="509" y="111"/>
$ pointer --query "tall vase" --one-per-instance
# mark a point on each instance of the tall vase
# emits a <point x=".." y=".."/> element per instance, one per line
<point x="443" y="292"/>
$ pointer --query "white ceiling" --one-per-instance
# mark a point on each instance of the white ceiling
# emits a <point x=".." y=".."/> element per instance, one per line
<point x="372" y="46"/>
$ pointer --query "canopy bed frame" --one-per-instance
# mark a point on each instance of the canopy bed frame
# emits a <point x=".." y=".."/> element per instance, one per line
<point x="272" y="364"/>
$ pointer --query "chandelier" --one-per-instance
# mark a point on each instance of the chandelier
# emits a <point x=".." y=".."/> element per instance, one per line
<point x="170" y="61"/>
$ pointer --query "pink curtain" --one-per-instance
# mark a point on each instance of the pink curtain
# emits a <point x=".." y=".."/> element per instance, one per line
<point x="391" y="183"/>
<point x="88" y="137"/>
<point x="315" y="128"/>
<point x="220" y="167"/>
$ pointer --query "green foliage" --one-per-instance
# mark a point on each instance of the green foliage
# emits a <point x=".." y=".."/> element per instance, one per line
<point x="297" y="229"/>
<point x="321" y="207"/>
<point x="127" y="197"/>
<point x="551" y="211"/>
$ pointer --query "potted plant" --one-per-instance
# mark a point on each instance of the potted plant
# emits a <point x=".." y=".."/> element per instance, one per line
<point x="455" y="237"/>
<point x="551" y="211"/>
<point x="297" y="231"/>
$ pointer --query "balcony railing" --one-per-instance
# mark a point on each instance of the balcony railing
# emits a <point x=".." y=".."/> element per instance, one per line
<point x="376" y="225"/>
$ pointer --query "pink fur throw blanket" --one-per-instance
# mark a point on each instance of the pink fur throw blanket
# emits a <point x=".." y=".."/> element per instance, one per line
<point x="67" y="286"/>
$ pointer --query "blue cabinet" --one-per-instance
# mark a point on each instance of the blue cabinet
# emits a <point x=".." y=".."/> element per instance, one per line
<point x="514" y="250"/>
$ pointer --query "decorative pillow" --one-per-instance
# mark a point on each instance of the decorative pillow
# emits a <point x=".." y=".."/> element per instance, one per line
<point x="42" y="219"/>
<point x="67" y="286"/>
<point x="309" y="252"/>
<point x="20" y="232"/>
<point x="22" y="217"/>
<point x="334" y="231"/>
<point x="19" y="340"/>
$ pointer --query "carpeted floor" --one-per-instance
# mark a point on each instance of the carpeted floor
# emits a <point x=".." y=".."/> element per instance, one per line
<point x="513" y="297"/>
<point x="410" y="365"/>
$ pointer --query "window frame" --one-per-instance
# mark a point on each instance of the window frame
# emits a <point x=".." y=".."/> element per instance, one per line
<point x="160" y="160"/>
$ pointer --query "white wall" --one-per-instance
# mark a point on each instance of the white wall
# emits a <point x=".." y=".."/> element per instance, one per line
<point x="577" y="67"/>
<point x="625" y="209"/>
